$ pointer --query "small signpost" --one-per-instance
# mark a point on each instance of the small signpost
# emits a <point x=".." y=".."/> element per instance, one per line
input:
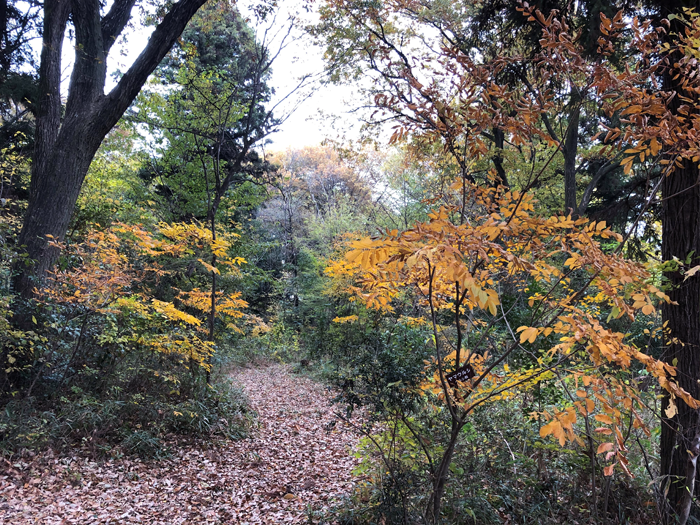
<point x="463" y="373"/>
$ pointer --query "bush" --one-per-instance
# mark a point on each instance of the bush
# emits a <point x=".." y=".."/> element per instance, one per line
<point x="545" y="483"/>
<point x="136" y="415"/>
<point x="381" y="365"/>
<point x="219" y="410"/>
<point x="143" y="444"/>
<point x="378" y="363"/>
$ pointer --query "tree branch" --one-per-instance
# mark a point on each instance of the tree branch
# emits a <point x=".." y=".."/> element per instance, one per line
<point x="90" y="71"/>
<point x="162" y="39"/>
<point x="606" y="168"/>
<point x="115" y="21"/>
<point x="48" y="113"/>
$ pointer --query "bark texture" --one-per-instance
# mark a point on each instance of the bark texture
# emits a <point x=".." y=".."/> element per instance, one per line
<point x="570" y="149"/>
<point x="680" y="434"/>
<point x="65" y="146"/>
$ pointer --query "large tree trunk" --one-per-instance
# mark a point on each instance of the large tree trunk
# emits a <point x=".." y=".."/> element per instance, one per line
<point x="54" y="192"/>
<point x="65" y="147"/>
<point x="680" y="435"/>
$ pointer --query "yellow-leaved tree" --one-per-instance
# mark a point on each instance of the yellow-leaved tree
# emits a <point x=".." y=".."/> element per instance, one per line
<point x="458" y="266"/>
<point x="119" y="272"/>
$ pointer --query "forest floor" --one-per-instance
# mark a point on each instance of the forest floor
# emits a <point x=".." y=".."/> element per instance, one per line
<point x="295" y="463"/>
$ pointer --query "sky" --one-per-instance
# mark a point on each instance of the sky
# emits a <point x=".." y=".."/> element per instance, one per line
<point x="319" y="111"/>
<point x="312" y="121"/>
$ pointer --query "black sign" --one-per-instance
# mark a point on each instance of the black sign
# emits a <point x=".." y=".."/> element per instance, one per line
<point x="463" y="373"/>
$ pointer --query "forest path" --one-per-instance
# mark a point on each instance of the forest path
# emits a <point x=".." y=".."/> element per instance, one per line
<point x="289" y="465"/>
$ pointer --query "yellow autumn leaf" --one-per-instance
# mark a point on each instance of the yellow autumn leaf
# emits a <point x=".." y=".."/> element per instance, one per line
<point x="655" y="146"/>
<point x="568" y="418"/>
<point x="528" y="334"/>
<point x="671" y="409"/>
<point x="353" y="255"/>
<point x="691" y="272"/>
<point x="571" y="261"/>
<point x="549" y="428"/>
<point x="636" y="108"/>
<point x="209" y="267"/>
<point x="346" y="319"/>
<point x="590" y="405"/>
<point x="627" y="163"/>
<point x="172" y="313"/>
<point x="365" y="260"/>
<point x="554" y="427"/>
<point x="492" y="301"/>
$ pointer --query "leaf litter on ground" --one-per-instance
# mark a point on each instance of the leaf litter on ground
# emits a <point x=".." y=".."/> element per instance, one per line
<point x="296" y="462"/>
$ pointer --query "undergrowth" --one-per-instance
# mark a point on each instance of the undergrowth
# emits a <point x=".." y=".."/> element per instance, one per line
<point x="132" y="417"/>
<point x="502" y="471"/>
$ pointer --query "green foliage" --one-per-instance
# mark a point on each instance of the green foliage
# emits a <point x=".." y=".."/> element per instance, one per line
<point x="219" y="409"/>
<point x="112" y="191"/>
<point x="379" y="363"/>
<point x="135" y="410"/>
<point x="205" y="112"/>
<point x="143" y="444"/>
<point x="545" y="484"/>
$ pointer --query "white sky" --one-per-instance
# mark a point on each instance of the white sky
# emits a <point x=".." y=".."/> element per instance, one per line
<point x="323" y="114"/>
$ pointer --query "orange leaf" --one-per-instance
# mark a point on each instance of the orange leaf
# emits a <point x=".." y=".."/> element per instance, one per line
<point x="604" y="447"/>
<point x="603" y="418"/>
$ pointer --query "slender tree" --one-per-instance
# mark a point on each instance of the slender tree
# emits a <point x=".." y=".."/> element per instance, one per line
<point x="212" y="118"/>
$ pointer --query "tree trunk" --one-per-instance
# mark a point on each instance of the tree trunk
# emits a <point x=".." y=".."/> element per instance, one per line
<point x="680" y="435"/>
<point x="570" y="150"/>
<point x="65" y="148"/>
<point x="212" y="310"/>
<point x="435" y="501"/>
<point x="499" y="142"/>
<point x="54" y="193"/>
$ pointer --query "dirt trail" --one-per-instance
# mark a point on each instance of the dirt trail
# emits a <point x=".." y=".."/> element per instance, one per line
<point x="289" y="466"/>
